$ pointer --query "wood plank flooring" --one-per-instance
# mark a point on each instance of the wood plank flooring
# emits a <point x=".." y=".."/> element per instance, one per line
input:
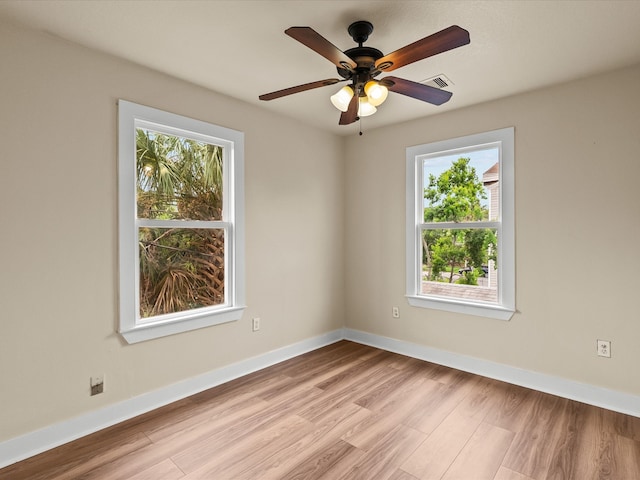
<point x="350" y="412"/>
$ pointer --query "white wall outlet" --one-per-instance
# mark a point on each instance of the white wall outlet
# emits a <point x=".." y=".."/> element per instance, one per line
<point x="97" y="384"/>
<point x="395" y="312"/>
<point x="604" y="348"/>
<point x="255" y="325"/>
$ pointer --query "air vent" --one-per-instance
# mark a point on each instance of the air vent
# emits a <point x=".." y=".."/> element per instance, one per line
<point x="439" y="81"/>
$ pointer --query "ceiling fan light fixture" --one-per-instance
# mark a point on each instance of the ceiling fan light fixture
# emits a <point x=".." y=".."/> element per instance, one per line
<point x="341" y="99"/>
<point x="365" y="108"/>
<point x="376" y="93"/>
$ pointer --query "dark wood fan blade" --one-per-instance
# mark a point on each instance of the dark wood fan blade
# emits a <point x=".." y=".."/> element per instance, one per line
<point x="439" y="42"/>
<point x="316" y="42"/>
<point x="416" y="90"/>
<point x="299" y="88"/>
<point x="351" y="115"/>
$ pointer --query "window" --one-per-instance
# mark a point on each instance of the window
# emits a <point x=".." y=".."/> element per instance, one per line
<point x="460" y="225"/>
<point x="180" y="223"/>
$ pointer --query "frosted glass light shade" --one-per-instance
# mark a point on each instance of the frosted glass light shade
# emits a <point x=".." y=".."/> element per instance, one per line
<point x="365" y="108"/>
<point x="376" y="93"/>
<point x="342" y="98"/>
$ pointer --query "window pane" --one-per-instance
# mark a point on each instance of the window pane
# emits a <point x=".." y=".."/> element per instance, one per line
<point x="460" y="264"/>
<point x="180" y="269"/>
<point x="177" y="178"/>
<point x="461" y="187"/>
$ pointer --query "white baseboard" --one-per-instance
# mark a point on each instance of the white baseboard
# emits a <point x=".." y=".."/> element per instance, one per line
<point x="30" y="444"/>
<point x="581" y="392"/>
<point x="33" y="443"/>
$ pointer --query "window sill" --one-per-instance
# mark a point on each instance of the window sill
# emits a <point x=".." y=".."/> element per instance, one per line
<point x="478" y="309"/>
<point x="149" y="331"/>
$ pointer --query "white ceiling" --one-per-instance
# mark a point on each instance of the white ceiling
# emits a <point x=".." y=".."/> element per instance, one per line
<point x="238" y="47"/>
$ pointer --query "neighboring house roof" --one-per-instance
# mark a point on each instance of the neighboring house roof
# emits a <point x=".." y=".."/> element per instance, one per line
<point x="492" y="175"/>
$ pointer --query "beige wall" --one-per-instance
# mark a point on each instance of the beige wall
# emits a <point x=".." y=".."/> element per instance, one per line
<point x="58" y="199"/>
<point x="577" y="168"/>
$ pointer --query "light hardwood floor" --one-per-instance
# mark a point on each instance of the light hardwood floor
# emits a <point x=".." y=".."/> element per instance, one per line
<point x="349" y="411"/>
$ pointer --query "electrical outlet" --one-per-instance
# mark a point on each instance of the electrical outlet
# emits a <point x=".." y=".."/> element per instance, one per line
<point x="255" y="326"/>
<point x="604" y="348"/>
<point x="97" y="384"/>
<point x="395" y="312"/>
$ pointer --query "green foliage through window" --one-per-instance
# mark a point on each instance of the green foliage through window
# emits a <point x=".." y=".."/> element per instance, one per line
<point x="455" y="195"/>
<point x="456" y="255"/>
<point x="179" y="179"/>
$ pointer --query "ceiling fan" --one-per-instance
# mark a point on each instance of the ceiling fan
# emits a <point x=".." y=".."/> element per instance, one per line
<point x="360" y="65"/>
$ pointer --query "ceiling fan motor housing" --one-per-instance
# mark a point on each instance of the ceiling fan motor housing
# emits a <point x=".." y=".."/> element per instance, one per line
<point x="365" y="57"/>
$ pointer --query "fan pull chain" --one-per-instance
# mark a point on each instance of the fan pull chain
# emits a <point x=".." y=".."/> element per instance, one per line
<point x="360" y="126"/>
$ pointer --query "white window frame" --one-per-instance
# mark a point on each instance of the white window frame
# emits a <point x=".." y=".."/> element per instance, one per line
<point x="505" y="307"/>
<point x="131" y="326"/>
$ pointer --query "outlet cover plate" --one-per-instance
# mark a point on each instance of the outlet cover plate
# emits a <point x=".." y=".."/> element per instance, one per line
<point x="604" y="348"/>
<point x="97" y="384"/>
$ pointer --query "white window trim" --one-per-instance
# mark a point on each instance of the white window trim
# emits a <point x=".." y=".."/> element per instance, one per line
<point x="505" y="309"/>
<point x="131" y="327"/>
